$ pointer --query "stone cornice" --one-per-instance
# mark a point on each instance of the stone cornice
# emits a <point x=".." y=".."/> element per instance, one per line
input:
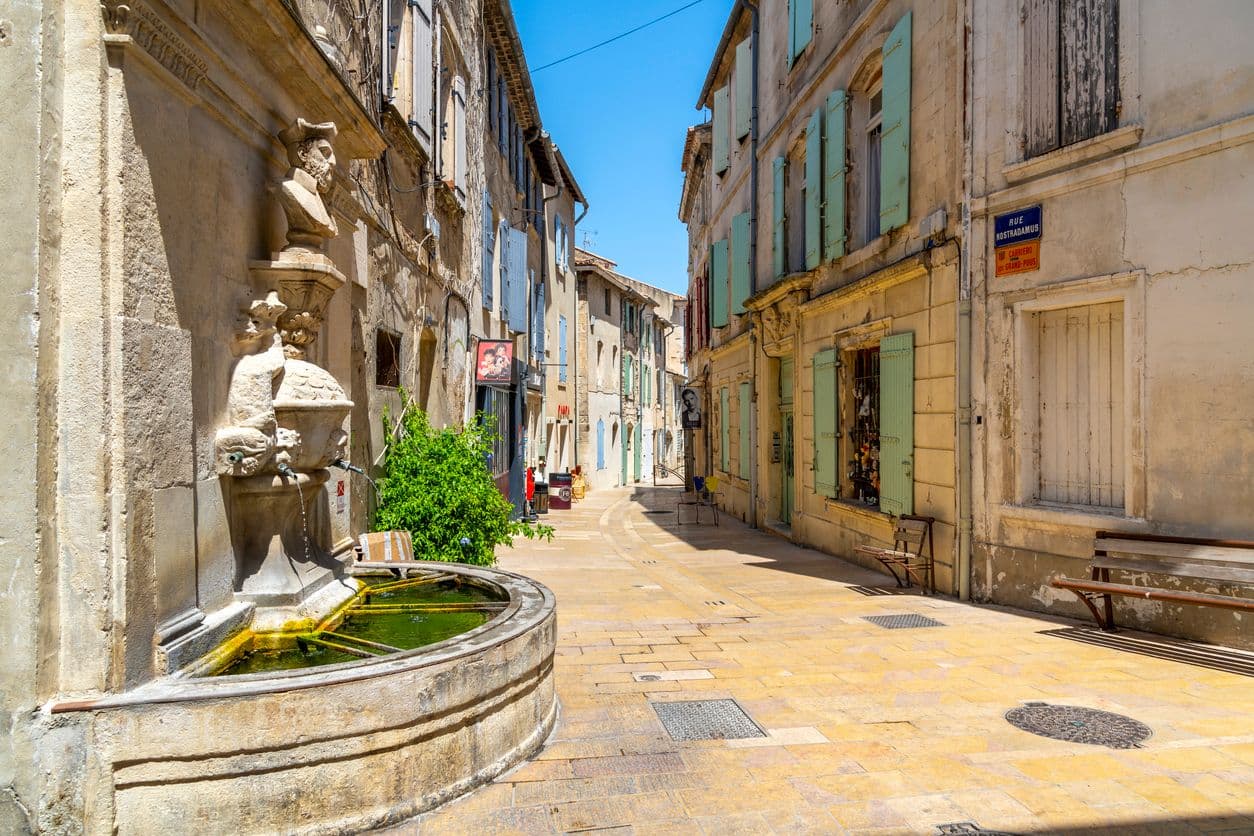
<point x="134" y="23"/>
<point x="798" y="282"/>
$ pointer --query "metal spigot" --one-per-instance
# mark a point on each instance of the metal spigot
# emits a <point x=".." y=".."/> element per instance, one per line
<point x="344" y="465"/>
<point x="285" y="469"/>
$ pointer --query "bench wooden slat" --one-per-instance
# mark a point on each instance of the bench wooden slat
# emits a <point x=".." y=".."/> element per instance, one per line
<point x="1188" y="551"/>
<point x="1154" y="594"/>
<point x="1178" y="568"/>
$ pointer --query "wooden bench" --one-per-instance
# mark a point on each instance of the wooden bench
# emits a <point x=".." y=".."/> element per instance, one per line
<point x="1225" y="561"/>
<point x="913" y="533"/>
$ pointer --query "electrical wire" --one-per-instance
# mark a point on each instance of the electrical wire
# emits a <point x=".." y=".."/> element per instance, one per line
<point x="618" y="37"/>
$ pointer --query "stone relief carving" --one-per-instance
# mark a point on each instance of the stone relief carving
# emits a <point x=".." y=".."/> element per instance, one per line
<point x="308" y="181"/>
<point x="154" y="37"/>
<point x="248" y="442"/>
<point x="777" y="322"/>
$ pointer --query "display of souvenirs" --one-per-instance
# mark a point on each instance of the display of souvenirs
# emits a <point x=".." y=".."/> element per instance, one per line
<point x="864" y="465"/>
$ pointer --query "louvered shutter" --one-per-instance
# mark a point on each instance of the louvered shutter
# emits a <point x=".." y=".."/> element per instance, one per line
<point x="646" y="383"/>
<point x="422" y="119"/>
<point x="897" y="424"/>
<point x="814" y="190"/>
<point x="740" y="266"/>
<point x="518" y="284"/>
<point x="895" y="139"/>
<point x="826" y="422"/>
<point x="600" y="444"/>
<point x="718" y="284"/>
<point x="744" y="88"/>
<point x="1089" y="69"/>
<point x="779" y="240"/>
<point x="537" y="321"/>
<point x="561" y="348"/>
<point x="745" y="406"/>
<point x="724" y="432"/>
<point x="720" y="129"/>
<point x="460" y="151"/>
<point x="505" y="239"/>
<point x="489" y="244"/>
<point x="1040" y="76"/>
<point x="800" y="19"/>
<point x="834" y="178"/>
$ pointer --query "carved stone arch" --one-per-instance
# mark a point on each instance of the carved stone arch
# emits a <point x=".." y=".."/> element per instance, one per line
<point x="870" y="64"/>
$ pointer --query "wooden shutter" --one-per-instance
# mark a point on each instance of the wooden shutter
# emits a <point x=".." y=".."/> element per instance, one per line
<point x="561" y="348"/>
<point x="779" y="237"/>
<point x="718" y="284"/>
<point x="744" y="88"/>
<point x="800" y="19"/>
<point x="1089" y="68"/>
<point x="814" y="189"/>
<point x="600" y="444"/>
<point x="720" y="130"/>
<point x="745" y="406"/>
<point x="459" y="135"/>
<point x="740" y="266"/>
<point x="897" y="424"/>
<point x="514" y="280"/>
<point x="422" y="118"/>
<point x="489" y="244"/>
<point x="826" y="426"/>
<point x="834" y="177"/>
<point x="646" y="384"/>
<point x="537" y="321"/>
<point x="895" y="139"/>
<point x="724" y="432"/>
<point x="1040" y="76"/>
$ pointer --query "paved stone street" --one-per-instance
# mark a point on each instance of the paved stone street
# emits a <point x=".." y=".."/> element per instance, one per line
<point x="868" y="729"/>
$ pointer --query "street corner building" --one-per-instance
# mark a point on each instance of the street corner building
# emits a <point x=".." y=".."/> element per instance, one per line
<point x="979" y="264"/>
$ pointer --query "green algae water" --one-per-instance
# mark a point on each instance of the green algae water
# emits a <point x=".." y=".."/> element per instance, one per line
<point x="393" y="626"/>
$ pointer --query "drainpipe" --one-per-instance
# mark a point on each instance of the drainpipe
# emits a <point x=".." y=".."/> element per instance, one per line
<point x="753" y="262"/>
<point x="963" y="568"/>
<point x="753" y="426"/>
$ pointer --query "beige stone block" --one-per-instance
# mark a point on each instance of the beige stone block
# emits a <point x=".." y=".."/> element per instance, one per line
<point x="935" y="430"/>
<point x="935" y="360"/>
<point x="943" y="322"/>
<point x="934" y="395"/>
<point x="919" y="323"/>
<point x="906" y="298"/>
<point x="174" y="552"/>
<point x="934" y="466"/>
<point x="934" y="500"/>
<point x="944" y="285"/>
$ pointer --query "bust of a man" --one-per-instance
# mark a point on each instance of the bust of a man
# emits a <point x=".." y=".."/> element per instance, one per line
<point x="301" y="193"/>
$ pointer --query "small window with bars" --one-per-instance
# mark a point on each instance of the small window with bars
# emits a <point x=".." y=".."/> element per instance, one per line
<point x="862" y="452"/>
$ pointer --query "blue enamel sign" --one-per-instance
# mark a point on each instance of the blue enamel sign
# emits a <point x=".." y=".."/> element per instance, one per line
<point x="1020" y="225"/>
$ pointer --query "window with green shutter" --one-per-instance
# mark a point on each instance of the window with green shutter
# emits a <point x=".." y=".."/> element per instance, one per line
<point x="744" y="88"/>
<point x="720" y="130"/>
<point x="895" y="136"/>
<point x="718" y="284"/>
<point x="745" y="406"/>
<point x="740" y="266"/>
<point x="834" y="177"/>
<point x="897" y="424"/>
<point x="826" y="367"/>
<point x="814" y="189"/>
<point x="724" y="435"/>
<point x="800" y="14"/>
<point x="779" y="240"/>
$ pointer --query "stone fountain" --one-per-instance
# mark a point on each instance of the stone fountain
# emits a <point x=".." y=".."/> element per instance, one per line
<point x="286" y="414"/>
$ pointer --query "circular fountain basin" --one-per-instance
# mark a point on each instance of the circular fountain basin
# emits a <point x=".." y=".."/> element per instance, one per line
<point x="341" y="747"/>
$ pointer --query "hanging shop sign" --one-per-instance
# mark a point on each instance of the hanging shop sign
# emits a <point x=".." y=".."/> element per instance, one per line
<point x="1017" y="241"/>
<point x="494" y="362"/>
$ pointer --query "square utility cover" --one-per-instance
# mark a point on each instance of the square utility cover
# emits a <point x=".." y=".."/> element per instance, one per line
<point x="902" y="622"/>
<point x="706" y="720"/>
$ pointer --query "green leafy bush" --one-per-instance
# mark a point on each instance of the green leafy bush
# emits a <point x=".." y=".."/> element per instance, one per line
<point x="435" y="485"/>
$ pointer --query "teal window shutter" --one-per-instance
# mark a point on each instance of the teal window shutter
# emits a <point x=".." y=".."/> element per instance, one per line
<point x="561" y="347"/>
<point x="740" y="266"/>
<point x="895" y="139"/>
<point x="724" y="434"/>
<point x="779" y="245"/>
<point x="814" y="189"/>
<point x="897" y="424"/>
<point x="718" y="284"/>
<point x="744" y="88"/>
<point x="826" y="422"/>
<point x="834" y="178"/>
<point x="645" y="378"/>
<point x="720" y="130"/>
<point x="489" y="244"/>
<point x="746" y="414"/>
<point x="800" y="14"/>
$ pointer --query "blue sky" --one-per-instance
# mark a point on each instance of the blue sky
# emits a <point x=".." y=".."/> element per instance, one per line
<point x="619" y="115"/>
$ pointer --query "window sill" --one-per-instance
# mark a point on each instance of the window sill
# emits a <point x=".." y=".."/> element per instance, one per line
<point x="1070" y="156"/>
<point x="856" y="508"/>
<point x="1074" y="516"/>
<point x="876" y="246"/>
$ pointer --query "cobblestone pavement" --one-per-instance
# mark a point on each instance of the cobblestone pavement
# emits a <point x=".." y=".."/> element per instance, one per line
<point x="867" y="729"/>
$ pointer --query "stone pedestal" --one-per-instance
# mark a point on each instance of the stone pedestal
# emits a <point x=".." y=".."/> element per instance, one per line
<point x="305" y="283"/>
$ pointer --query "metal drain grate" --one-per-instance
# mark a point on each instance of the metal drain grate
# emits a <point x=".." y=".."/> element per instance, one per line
<point x="1076" y="724"/>
<point x="873" y="590"/>
<point x="903" y="621"/>
<point x="706" y="720"/>
<point x="963" y="827"/>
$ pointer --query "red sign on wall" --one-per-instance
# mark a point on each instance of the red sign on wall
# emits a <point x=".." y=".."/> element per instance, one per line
<point x="1018" y="258"/>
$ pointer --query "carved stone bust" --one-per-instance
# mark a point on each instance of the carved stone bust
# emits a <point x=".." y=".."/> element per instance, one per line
<point x="309" y="179"/>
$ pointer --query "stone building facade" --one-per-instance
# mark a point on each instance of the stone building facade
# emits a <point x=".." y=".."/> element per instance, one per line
<point x="822" y="213"/>
<point x="145" y="167"/>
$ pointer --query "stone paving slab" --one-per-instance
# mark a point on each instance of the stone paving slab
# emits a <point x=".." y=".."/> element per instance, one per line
<point x="868" y="730"/>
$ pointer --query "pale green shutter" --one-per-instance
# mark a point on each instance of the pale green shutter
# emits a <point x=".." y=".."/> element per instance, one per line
<point x="779" y="241"/>
<point x="799" y="26"/>
<point x="897" y="424"/>
<point x="814" y="189"/>
<point x="740" y="266"/>
<point x="718" y="284"/>
<point x="724" y="434"/>
<point x="720" y="130"/>
<point x="645" y="383"/>
<point x="834" y="178"/>
<point x="895" y="139"/>
<point x="744" y="88"/>
<point x="826" y="417"/>
<point x="746" y="414"/>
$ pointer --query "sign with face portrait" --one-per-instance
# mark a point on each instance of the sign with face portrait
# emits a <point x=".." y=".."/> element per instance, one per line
<point x="690" y="409"/>
<point x="494" y="361"/>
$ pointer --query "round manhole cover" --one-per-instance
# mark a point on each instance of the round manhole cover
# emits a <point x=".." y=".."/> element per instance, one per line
<point x="1076" y="724"/>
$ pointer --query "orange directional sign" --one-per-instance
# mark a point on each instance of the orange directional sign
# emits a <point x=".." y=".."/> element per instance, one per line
<point x="1019" y="258"/>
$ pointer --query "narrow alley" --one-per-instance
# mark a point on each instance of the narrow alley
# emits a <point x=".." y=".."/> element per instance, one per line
<point x="867" y="729"/>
